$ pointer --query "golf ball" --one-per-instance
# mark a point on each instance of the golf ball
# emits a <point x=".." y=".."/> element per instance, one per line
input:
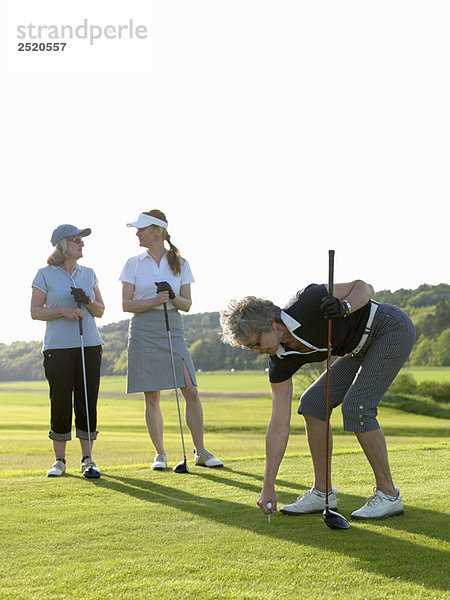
<point x="269" y="505"/>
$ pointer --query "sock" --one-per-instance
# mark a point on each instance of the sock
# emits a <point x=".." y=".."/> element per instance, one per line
<point x="389" y="497"/>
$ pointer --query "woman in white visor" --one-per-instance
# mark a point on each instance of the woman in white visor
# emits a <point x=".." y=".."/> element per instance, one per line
<point x="149" y="360"/>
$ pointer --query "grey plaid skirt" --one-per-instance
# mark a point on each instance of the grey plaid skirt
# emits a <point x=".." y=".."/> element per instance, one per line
<point x="149" y="362"/>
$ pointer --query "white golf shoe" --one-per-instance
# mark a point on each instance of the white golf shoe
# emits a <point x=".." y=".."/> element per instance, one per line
<point x="89" y="468"/>
<point x="159" y="462"/>
<point x="58" y="469"/>
<point x="206" y="459"/>
<point x="380" y="506"/>
<point x="311" y="502"/>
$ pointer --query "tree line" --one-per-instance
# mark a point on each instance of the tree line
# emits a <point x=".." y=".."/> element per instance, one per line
<point x="428" y="306"/>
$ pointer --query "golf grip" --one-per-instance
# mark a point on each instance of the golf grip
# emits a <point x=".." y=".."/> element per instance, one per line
<point x="166" y="316"/>
<point x="330" y="271"/>
<point x="80" y="321"/>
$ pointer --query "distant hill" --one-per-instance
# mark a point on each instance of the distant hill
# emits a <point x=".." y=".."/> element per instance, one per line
<point x="428" y="306"/>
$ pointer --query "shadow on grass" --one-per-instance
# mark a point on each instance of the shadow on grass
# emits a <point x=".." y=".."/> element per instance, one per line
<point x="348" y="501"/>
<point x="378" y="551"/>
<point x="417" y="406"/>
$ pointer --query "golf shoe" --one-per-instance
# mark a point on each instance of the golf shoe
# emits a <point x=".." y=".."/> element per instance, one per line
<point x="311" y="502"/>
<point x="88" y="466"/>
<point x="58" y="469"/>
<point x="159" y="462"/>
<point x="206" y="459"/>
<point x="380" y="506"/>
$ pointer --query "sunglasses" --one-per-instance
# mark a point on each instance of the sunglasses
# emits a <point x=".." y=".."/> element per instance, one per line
<point x="75" y="240"/>
<point x="257" y="344"/>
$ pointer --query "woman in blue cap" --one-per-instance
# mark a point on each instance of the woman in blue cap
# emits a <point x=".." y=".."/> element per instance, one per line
<point x="64" y="292"/>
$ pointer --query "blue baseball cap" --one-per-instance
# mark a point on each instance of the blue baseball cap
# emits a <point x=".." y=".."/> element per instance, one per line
<point x="63" y="231"/>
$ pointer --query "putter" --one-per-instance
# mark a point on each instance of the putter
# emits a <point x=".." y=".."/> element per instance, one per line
<point x="91" y="472"/>
<point x="182" y="466"/>
<point x="333" y="519"/>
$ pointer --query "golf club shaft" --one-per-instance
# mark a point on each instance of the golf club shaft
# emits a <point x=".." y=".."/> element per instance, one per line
<point x="166" y="316"/>
<point x="327" y="444"/>
<point x="83" y="364"/>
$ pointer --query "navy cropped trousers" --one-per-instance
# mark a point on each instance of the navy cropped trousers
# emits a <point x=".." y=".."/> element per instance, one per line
<point x="64" y="372"/>
<point x="359" y="382"/>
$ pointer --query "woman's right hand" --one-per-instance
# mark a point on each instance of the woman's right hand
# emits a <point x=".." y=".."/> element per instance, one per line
<point x="161" y="298"/>
<point x="72" y="313"/>
<point x="268" y="496"/>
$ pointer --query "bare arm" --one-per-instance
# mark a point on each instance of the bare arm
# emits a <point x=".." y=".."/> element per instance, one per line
<point x="131" y="304"/>
<point x="184" y="300"/>
<point x="41" y="312"/>
<point x="276" y="440"/>
<point x="357" y="292"/>
<point x="96" y="308"/>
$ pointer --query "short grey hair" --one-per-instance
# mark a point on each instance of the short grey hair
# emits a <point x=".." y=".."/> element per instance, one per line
<point x="245" y="317"/>
<point x="59" y="254"/>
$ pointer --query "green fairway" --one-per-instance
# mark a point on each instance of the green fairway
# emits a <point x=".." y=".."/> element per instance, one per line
<point x="136" y="533"/>
<point x="428" y="373"/>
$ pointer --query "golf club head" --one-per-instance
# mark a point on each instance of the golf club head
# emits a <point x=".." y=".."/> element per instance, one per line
<point x="181" y="467"/>
<point x="91" y="473"/>
<point x="334" y="520"/>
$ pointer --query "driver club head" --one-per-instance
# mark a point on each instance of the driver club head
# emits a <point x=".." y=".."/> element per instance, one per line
<point x="181" y="467"/>
<point x="91" y="473"/>
<point x="334" y="520"/>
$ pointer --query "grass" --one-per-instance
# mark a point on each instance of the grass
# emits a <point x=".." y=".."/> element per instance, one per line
<point x="139" y="534"/>
<point x="428" y="373"/>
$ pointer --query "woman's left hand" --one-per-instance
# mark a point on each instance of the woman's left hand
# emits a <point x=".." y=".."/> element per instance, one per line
<point x="80" y="296"/>
<point x="332" y="308"/>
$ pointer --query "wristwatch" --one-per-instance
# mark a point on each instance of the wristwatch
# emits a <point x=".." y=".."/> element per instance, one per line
<point x="347" y="307"/>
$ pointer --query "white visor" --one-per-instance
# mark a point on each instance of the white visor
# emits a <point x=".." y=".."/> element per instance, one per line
<point x="146" y="220"/>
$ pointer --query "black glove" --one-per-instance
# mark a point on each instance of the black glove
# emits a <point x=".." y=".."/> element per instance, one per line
<point x="332" y="308"/>
<point x="163" y="286"/>
<point x="80" y="296"/>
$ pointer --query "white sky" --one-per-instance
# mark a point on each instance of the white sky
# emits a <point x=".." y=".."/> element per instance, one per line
<point x="268" y="131"/>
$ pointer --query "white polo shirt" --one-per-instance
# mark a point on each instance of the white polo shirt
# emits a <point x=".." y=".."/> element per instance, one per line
<point x="143" y="272"/>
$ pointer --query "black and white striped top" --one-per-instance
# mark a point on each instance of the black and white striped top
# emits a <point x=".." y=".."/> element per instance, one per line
<point x="304" y="319"/>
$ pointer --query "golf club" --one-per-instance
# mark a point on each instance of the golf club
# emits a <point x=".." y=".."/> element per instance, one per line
<point x="91" y="472"/>
<point x="333" y="519"/>
<point x="182" y="466"/>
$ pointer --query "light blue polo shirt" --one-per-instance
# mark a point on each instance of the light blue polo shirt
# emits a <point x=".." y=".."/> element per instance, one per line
<point x="56" y="284"/>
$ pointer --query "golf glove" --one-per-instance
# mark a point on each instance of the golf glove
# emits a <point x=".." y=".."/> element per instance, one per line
<point x="163" y="286"/>
<point x="80" y="296"/>
<point x="332" y="308"/>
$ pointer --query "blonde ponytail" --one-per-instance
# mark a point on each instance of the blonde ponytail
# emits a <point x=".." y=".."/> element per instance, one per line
<point x="173" y="254"/>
